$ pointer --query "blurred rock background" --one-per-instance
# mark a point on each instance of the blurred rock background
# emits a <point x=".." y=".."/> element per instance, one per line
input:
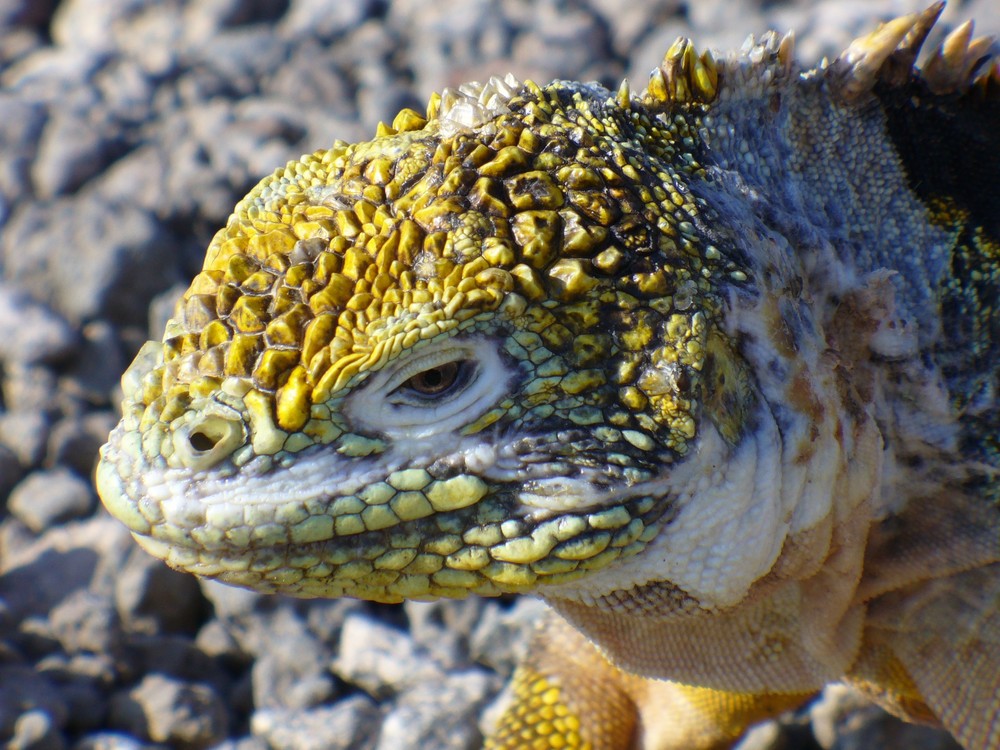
<point x="128" y="130"/>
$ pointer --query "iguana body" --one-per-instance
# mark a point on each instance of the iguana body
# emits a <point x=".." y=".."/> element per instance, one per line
<point x="712" y="369"/>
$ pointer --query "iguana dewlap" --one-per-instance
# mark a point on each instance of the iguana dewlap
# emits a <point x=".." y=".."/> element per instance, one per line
<point x="713" y="369"/>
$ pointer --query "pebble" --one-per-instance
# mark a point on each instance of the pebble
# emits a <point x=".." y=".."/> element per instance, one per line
<point x="23" y="435"/>
<point x="33" y="333"/>
<point x="380" y="659"/>
<point x="440" y="714"/>
<point x="151" y="598"/>
<point x="164" y="709"/>
<point x="51" y="250"/>
<point x="45" y="498"/>
<point x="349" y="725"/>
<point x="294" y="671"/>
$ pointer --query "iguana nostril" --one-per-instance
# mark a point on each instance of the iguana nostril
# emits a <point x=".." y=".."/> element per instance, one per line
<point x="202" y="442"/>
<point x="206" y="441"/>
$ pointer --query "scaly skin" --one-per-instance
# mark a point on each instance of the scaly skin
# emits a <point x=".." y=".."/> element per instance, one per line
<point x="712" y="369"/>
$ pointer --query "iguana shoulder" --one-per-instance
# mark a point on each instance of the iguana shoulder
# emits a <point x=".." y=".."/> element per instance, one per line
<point x="712" y="368"/>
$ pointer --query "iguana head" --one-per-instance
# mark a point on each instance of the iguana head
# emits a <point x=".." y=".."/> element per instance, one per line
<point x="456" y="358"/>
<point x="480" y="353"/>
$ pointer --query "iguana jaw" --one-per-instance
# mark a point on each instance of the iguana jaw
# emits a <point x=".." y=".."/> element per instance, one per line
<point x="330" y="525"/>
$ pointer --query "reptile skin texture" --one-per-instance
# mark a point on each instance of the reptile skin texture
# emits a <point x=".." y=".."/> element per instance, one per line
<point x="712" y="368"/>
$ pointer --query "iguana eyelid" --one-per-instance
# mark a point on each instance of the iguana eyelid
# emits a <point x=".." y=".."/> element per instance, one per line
<point x="373" y="407"/>
<point x="428" y="361"/>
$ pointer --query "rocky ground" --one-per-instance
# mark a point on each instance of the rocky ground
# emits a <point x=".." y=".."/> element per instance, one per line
<point x="128" y="129"/>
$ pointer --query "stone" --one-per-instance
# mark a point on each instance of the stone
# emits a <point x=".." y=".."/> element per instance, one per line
<point x="46" y="498"/>
<point x="440" y="714"/>
<point x="348" y="725"/>
<point x="33" y="333"/>
<point x="75" y="146"/>
<point x="152" y="598"/>
<point x="85" y="622"/>
<point x="74" y="441"/>
<point x="293" y="672"/>
<point x="87" y="258"/>
<point x="23" y="691"/>
<point x="10" y="469"/>
<point x="34" y="730"/>
<point x="164" y="709"/>
<point x="24" y="434"/>
<point x="380" y="659"/>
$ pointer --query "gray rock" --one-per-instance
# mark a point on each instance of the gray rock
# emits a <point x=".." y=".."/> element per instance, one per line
<point x="500" y="638"/>
<point x="137" y="178"/>
<point x="560" y="42"/>
<point x="844" y="720"/>
<point x="215" y="639"/>
<point x="765" y="736"/>
<point x="33" y="333"/>
<point x="319" y="19"/>
<point x="89" y="259"/>
<point x="216" y="15"/>
<point x="127" y="92"/>
<point x="240" y="57"/>
<point x="10" y="469"/>
<point x="93" y="24"/>
<point x="74" y="441"/>
<point x="629" y="23"/>
<point x="53" y="75"/>
<point x="30" y="388"/>
<point x="447" y="44"/>
<point x="350" y="724"/>
<point x="293" y="672"/>
<point x="380" y="659"/>
<point x="23" y="121"/>
<point x="163" y="709"/>
<point x="19" y="13"/>
<point x="85" y="622"/>
<point x="152" y="598"/>
<point x="380" y="94"/>
<point x="35" y="577"/>
<point x="177" y="657"/>
<point x="442" y="628"/>
<point x="24" y="691"/>
<point x="440" y="715"/>
<point x="229" y="602"/>
<point x="243" y="743"/>
<point x="75" y="146"/>
<point x="25" y="433"/>
<point x="34" y="730"/>
<point x="84" y="682"/>
<point x="15" y="538"/>
<point x="114" y="741"/>
<point x="16" y="44"/>
<point x="96" y="370"/>
<point x="46" y="498"/>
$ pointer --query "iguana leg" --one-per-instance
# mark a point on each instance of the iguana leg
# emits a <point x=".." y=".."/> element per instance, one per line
<point x="568" y="695"/>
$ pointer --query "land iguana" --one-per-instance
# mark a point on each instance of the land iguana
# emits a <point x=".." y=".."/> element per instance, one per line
<point x="711" y="368"/>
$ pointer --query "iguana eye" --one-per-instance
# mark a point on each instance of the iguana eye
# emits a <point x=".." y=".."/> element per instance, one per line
<point x="438" y="380"/>
<point x="435" y="389"/>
